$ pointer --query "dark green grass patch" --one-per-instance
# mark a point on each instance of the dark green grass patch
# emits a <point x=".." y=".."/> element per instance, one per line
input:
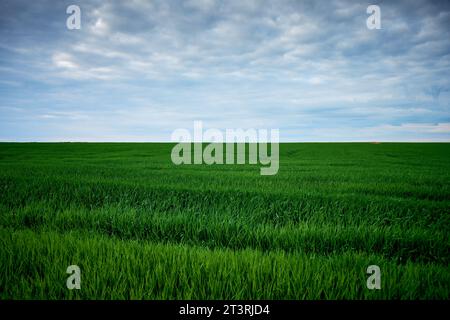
<point x="34" y="268"/>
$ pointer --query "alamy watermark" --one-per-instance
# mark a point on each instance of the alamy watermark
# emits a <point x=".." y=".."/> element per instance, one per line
<point x="374" y="20"/>
<point x="374" y="280"/>
<point x="73" y="21"/>
<point x="74" y="280"/>
<point x="258" y="142"/>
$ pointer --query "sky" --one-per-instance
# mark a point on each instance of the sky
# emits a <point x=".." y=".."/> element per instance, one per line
<point x="138" y="70"/>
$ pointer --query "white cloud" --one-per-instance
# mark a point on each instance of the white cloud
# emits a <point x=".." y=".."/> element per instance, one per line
<point x="64" y="61"/>
<point x="287" y="64"/>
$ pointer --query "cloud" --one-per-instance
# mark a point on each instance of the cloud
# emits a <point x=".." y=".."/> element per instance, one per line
<point x="64" y="61"/>
<point x="291" y="65"/>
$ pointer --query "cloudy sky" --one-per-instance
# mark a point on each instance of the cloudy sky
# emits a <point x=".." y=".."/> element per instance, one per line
<point x="137" y="70"/>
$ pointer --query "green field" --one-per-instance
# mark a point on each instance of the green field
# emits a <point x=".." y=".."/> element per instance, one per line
<point x="140" y="227"/>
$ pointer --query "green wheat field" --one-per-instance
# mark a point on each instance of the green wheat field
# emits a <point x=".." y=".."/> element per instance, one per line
<point x="140" y="227"/>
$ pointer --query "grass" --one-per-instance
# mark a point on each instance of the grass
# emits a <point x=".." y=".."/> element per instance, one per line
<point x="140" y="227"/>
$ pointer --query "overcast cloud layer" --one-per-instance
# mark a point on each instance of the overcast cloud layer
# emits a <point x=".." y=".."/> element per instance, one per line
<point x="137" y="70"/>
